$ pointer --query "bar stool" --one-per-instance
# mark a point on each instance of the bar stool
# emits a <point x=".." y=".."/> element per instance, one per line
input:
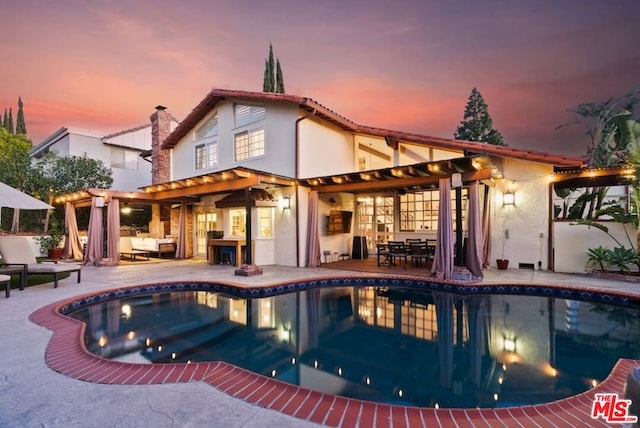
<point x="227" y="256"/>
<point x="6" y="280"/>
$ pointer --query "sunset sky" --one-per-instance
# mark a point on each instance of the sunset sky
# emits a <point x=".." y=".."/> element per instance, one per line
<point x="402" y="65"/>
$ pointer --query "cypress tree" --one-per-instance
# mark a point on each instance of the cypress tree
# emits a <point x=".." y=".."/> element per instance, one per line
<point x="10" y="129"/>
<point x="477" y="124"/>
<point x="21" y="126"/>
<point x="5" y="120"/>
<point x="279" y="78"/>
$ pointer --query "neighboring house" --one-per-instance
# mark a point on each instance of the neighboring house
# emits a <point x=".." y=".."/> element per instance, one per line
<point x="119" y="151"/>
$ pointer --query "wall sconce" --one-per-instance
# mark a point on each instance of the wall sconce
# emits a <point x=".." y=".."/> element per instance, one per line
<point x="286" y="203"/>
<point x="509" y="344"/>
<point x="508" y="198"/>
<point x="126" y="209"/>
<point x="456" y="180"/>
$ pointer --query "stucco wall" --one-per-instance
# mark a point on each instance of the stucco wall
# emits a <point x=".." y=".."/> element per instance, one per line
<point x="324" y="150"/>
<point x="527" y="221"/>
<point x="571" y="243"/>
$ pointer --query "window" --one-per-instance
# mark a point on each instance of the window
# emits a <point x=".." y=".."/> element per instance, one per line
<point x="207" y="155"/>
<point x="238" y="219"/>
<point x="208" y="129"/>
<point x="122" y="158"/>
<point x="419" y="210"/>
<point x="249" y="144"/>
<point x="246" y="114"/>
<point x="265" y="222"/>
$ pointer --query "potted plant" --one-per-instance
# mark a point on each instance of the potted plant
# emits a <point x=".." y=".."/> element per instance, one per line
<point x="51" y="244"/>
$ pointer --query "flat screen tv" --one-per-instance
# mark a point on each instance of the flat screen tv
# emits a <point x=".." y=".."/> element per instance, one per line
<point x="339" y="222"/>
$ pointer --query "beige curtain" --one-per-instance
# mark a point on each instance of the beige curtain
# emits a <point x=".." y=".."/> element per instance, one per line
<point x="95" y="241"/>
<point x="443" y="260"/>
<point x="313" y="240"/>
<point x="181" y="246"/>
<point x="475" y="241"/>
<point x="113" y="230"/>
<point x="72" y="244"/>
<point x="486" y="227"/>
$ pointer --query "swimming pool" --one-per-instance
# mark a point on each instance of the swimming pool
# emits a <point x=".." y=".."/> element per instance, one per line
<point x="376" y="340"/>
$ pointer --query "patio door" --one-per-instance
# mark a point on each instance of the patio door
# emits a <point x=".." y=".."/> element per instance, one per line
<point x="204" y="223"/>
<point x="376" y="219"/>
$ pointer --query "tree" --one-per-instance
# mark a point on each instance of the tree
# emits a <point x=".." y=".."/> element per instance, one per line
<point x="5" y="120"/>
<point x="10" y="127"/>
<point x="272" y="79"/>
<point x="21" y="126"/>
<point x="15" y="170"/>
<point x="279" y="78"/>
<point x="477" y="124"/>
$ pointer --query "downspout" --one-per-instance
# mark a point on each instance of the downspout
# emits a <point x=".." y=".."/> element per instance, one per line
<point x="297" y="166"/>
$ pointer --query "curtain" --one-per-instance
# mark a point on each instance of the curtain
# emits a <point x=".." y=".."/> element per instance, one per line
<point x="486" y="227"/>
<point x="95" y="240"/>
<point x="72" y="244"/>
<point x="313" y="240"/>
<point x="443" y="260"/>
<point x="476" y="241"/>
<point x="113" y="230"/>
<point x="444" y="319"/>
<point x="181" y="247"/>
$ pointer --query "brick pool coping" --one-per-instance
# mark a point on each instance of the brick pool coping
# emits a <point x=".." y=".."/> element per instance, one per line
<point x="66" y="353"/>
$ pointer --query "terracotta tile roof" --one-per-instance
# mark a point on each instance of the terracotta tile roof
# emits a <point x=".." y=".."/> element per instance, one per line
<point x="319" y="110"/>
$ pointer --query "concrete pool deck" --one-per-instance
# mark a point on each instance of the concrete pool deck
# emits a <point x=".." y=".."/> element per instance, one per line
<point x="34" y="395"/>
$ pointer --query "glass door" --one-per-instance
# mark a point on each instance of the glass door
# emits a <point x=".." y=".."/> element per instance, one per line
<point x="204" y="223"/>
<point x="375" y="219"/>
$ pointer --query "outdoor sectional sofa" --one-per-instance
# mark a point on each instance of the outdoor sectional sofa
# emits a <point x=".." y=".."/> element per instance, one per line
<point x="159" y="246"/>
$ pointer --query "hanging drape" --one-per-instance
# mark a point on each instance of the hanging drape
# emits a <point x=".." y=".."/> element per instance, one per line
<point x="113" y="230"/>
<point x="486" y="227"/>
<point x="444" y="317"/>
<point x="95" y="239"/>
<point x="72" y="244"/>
<point x="443" y="260"/>
<point x="475" y="241"/>
<point x="181" y="247"/>
<point x="313" y="240"/>
<point x="476" y="314"/>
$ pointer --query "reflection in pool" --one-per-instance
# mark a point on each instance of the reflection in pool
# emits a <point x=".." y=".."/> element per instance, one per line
<point x="391" y="345"/>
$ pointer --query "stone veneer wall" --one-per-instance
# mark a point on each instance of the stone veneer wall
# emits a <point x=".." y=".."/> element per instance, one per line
<point x="160" y="158"/>
<point x="175" y="226"/>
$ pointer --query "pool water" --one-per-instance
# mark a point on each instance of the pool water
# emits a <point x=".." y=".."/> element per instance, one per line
<point x="385" y="344"/>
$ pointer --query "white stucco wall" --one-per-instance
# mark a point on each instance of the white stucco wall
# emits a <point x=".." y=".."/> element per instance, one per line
<point x="527" y="221"/>
<point x="324" y="149"/>
<point x="279" y="157"/>
<point x="571" y="243"/>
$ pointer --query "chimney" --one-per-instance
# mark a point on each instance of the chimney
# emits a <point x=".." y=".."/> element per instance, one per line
<point x="160" y="158"/>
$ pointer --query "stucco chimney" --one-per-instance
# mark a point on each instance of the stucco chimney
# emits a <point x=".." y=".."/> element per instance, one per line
<point x="160" y="159"/>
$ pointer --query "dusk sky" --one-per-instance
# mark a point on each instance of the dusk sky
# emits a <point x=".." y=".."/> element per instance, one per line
<point x="403" y="65"/>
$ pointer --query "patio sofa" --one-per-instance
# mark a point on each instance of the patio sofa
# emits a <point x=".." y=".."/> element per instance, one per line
<point x="160" y="246"/>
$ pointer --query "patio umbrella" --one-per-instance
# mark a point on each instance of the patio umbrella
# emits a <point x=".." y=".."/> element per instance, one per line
<point x="72" y="244"/>
<point x="13" y="198"/>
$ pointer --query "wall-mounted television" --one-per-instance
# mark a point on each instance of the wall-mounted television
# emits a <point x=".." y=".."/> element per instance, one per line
<point x="339" y="222"/>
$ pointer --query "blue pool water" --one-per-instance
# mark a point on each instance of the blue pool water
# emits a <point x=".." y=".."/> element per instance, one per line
<point x="401" y="342"/>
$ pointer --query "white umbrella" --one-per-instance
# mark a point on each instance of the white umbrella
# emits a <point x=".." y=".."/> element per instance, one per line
<point x="13" y="198"/>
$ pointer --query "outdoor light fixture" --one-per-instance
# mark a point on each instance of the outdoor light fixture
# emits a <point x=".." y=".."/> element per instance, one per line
<point x="456" y="180"/>
<point x="508" y="198"/>
<point x="286" y="203"/>
<point x="126" y="209"/>
<point x="509" y="344"/>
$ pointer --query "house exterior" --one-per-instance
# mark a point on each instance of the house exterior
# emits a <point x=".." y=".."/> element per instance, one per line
<point x="387" y="179"/>
<point x="119" y="151"/>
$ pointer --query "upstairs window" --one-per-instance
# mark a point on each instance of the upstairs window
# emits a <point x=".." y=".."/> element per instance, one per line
<point x="249" y="144"/>
<point x="246" y="114"/>
<point x="207" y="155"/>
<point x="125" y="159"/>
<point x="208" y="129"/>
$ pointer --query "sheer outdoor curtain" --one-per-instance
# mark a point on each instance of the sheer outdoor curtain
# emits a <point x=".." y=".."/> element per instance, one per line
<point x="443" y="260"/>
<point x="95" y="240"/>
<point x="72" y="244"/>
<point x="181" y="246"/>
<point x="113" y="230"/>
<point x="313" y="240"/>
<point x="475" y="241"/>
